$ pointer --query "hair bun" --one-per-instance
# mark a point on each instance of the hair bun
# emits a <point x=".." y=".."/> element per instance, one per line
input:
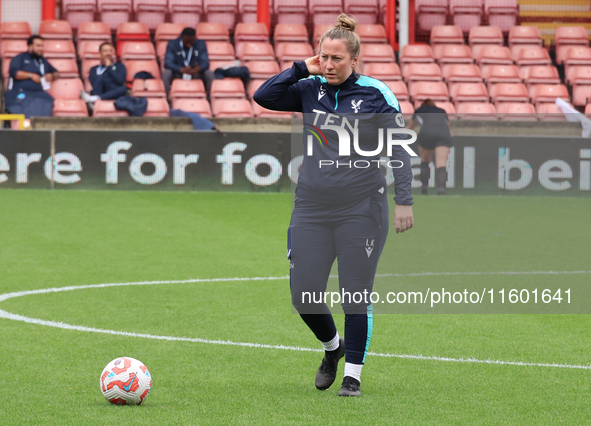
<point x="345" y="22"/>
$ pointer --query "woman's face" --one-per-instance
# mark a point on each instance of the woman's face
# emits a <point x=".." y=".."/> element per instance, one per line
<point x="335" y="61"/>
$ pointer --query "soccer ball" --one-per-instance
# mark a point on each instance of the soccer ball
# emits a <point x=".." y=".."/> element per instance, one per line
<point x="126" y="381"/>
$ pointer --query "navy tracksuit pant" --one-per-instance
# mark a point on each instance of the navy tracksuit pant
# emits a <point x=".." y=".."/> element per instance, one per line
<point x="355" y="234"/>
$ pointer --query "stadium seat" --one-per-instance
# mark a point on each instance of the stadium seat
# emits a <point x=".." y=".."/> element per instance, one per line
<point x="56" y="30"/>
<point x="468" y="92"/>
<point x="168" y="31"/>
<point x="581" y="95"/>
<point x="533" y="56"/>
<point x="364" y="11"/>
<point x="446" y="34"/>
<point x="319" y="30"/>
<point x="377" y="52"/>
<point x="97" y="31"/>
<point x="134" y="50"/>
<point x="213" y="31"/>
<point x="157" y="107"/>
<point x="89" y="49"/>
<point x="521" y="34"/>
<point x="461" y="73"/>
<point x="87" y="65"/>
<point x="537" y="74"/>
<point x="59" y="49"/>
<point x="261" y="112"/>
<point x="263" y="69"/>
<point x="148" y="89"/>
<point x="70" y="108"/>
<point x="453" y="54"/>
<point x="573" y="55"/>
<point x="324" y="11"/>
<point x="227" y="88"/>
<point x="133" y="67"/>
<point x="449" y="108"/>
<point x="197" y="105"/>
<point x="15" y="30"/>
<point x="399" y="89"/>
<point x="435" y="90"/>
<point x="577" y="75"/>
<point x="248" y="11"/>
<point x="66" y="67"/>
<point x="466" y="14"/>
<point x="251" y="32"/>
<point x="416" y="53"/>
<point x="114" y="12"/>
<point x="11" y="48"/>
<point x="187" y="89"/>
<point x="384" y="71"/>
<point x="186" y="12"/>
<point x="431" y="13"/>
<point x="66" y="88"/>
<point x="220" y="51"/>
<point x="476" y="111"/>
<point x="571" y="35"/>
<point x="509" y="92"/>
<point x="289" y="52"/>
<point x="107" y="109"/>
<point x="77" y="12"/>
<point x="131" y="31"/>
<point x="290" y="11"/>
<point x="587" y="109"/>
<point x="231" y="108"/>
<point x="372" y="33"/>
<point x="493" y="74"/>
<point x="550" y="112"/>
<point x="407" y="109"/>
<point x="422" y="72"/>
<point x="151" y="12"/>
<point x="549" y="93"/>
<point x="494" y="55"/>
<point x="256" y="51"/>
<point x="485" y="35"/>
<point x="221" y="11"/>
<point x="285" y="65"/>
<point x="252" y="86"/>
<point x="501" y="13"/>
<point x="516" y="111"/>
<point x="290" y="33"/>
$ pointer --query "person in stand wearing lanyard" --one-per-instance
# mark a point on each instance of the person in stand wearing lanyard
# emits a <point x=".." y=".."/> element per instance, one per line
<point x="107" y="79"/>
<point x="30" y="76"/>
<point x="186" y="58"/>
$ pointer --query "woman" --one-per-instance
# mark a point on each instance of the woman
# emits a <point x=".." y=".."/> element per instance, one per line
<point x="341" y="211"/>
<point x="434" y="136"/>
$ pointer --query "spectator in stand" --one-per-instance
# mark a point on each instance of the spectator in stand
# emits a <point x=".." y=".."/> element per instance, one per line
<point x="186" y="58"/>
<point x="107" y="79"/>
<point x="30" y="76"/>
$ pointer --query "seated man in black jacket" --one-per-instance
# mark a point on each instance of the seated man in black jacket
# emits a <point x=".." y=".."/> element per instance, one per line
<point x="186" y="58"/>
<point x="108" y="78"/>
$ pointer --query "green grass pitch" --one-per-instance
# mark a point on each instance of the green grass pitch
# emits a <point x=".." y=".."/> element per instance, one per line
<point x="50" y="376"/>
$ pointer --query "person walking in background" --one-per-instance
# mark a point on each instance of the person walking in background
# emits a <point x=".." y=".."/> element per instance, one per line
<point x="434" y="137"/>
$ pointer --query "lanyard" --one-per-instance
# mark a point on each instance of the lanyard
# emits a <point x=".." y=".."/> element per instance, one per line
<point x="187" y="61"/>
<point x="41" y="67"/>
<point x="100" y="70"/>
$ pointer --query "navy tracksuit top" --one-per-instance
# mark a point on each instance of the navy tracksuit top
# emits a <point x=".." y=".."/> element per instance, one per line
<point x="366" y="99"/>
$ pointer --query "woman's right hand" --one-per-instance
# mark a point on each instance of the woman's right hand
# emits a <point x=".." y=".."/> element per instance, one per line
<point x="313" y="65"/>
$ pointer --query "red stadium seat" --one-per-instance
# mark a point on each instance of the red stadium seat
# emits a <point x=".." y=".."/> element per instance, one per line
<point x="430" y="13"/>
<point x="285" y="65"/>
<point x="114" y="12"/>
<point x="261" y="112"/>
<point x="416" y="53"/>
<point x="157" y="107"/>
<point x="185" y="12"/>
<point x="516" y="111"/>
<point x="290" y="33"/>
<point x="187" y="89"/>
<point x="493" y="74"/>
<point x="476" y="111"/>
<point x="571" y="35"/>
<point x="252" y="86"/>
<point x="324" y="11"/>
<point x="461" y="73"/>
<point x="549" y="93"/>
<point x="66" y="88"/>
<point x="422" y="72"/>
<point x="549" y="112"/>
<point x="407" y="109"/>
<point x="93" y="31"/>
<point x="213" y="31"/>
<point x="152" y="12"/>
<point x="372" y="33"/>
<point x="447" y="34"/>
<point x="521" y="34"/>
<point x="578" y="56"/>
<point x="15" y="30"/>
<point x="248" y="12"/>
<point x="197" y="105"/>
<point x="107" y="109"/>
<point x="133" y="67"/>
<point x="148" y="89"/>
<point x="231" y="108"/>
<point x="383" y="71"/>
<point x="168" y="31"/>
<point x="468" y="92"/>
<point x="501" y="13"/>
<point x="485" y="35"/>
<point x="227" y="88"/>
<point x="133" y="50"/>
<point x="220" y="51"/>
<point x="134" y="31"/>
<point x="251" y="32"/>
<point x="509" y="92"/>
<point x="453" y="54"/>
<point x="66" y="67"/>
<point x="577" y="75"/>
<point x="290" y="11"/>
<point x="533" y="56"/>
<point x="70" y="108"/>
<point x="319" y="30"/>
<point x="546" y="74"/>
<point x="289" y="52"/>
<point x="256" y="51"/>
<point x="11" y="48"/>
<point x="89" y="49"/>
<point x="466" y="13"/>
<point x="494" y="55"/>
<point x="581" y="95"/>
<point x="377" y="52"/>
<point x="86" y="67"/>
<point x="587" y="109"/>
<point x="364" y="11"/>
<point x="59" y="49"/>
<point x="449" y="108"/>
<point x="77" y="12"/>
<point x="435" y="90"/>
<point x="263" y="69"/>
<point x="55" y="29"/>
<point x="399" y="89"/>
<point x="221" y="11"/>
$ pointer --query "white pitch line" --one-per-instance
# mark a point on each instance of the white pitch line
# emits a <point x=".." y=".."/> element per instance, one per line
<point x="64" y="326"/>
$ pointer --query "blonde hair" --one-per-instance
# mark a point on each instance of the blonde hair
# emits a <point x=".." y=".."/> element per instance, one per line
<point x="344" y="29"/>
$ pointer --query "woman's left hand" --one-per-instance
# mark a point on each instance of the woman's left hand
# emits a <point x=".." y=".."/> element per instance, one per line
<point x="403" y="218"/>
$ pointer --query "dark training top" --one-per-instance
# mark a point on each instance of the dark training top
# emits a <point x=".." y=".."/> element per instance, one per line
<point x="25" y="62"/>
<point x="433" y="121"/>
<point x="178" y="56"/>
<point x="360" y="98"/>
<point x="104" y="79"/>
